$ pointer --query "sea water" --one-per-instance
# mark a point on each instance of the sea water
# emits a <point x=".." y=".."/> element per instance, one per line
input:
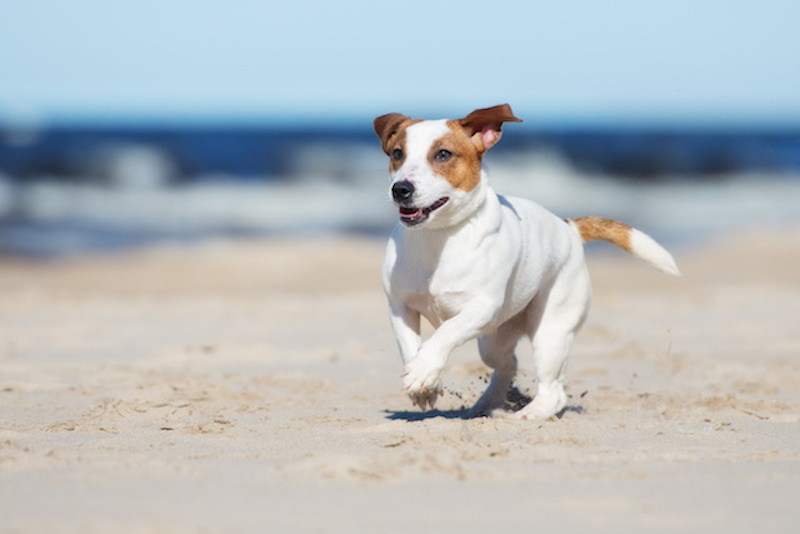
<point x="71" y="192"/>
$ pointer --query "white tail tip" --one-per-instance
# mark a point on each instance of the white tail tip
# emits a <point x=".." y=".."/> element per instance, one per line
<point x="646" y="249"/>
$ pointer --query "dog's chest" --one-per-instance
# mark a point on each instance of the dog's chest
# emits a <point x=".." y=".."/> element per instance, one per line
<point x="438" y="291"/>
<point x="437" y="306"/>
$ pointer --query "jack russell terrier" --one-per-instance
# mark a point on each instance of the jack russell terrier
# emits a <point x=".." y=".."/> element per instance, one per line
<point x="476" y="264"/>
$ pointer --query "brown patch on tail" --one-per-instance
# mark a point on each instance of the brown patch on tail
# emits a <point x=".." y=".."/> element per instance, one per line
<point x="598" y="228"/>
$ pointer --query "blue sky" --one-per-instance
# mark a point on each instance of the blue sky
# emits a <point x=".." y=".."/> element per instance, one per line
<point x="676" y="61"/>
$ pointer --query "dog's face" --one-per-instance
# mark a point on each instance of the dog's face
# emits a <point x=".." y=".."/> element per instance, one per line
<point x="435" y="166"/>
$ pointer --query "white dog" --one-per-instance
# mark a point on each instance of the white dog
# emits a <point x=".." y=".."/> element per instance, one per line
<point x="479" y="265"/>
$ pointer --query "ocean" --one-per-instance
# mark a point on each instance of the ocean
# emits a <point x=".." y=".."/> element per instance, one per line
<point x="75" y="189"/>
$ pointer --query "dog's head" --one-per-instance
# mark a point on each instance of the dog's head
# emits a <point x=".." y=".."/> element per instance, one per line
<point x="435" y="166"/>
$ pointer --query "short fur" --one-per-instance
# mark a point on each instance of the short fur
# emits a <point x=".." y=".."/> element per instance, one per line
<point x="480" y="265"/>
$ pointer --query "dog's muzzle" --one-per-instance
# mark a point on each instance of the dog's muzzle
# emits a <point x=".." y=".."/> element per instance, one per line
<point x="410" y="215"/>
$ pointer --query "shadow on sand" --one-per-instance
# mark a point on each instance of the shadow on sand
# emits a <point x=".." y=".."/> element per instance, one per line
<point x="421" y="416"/>
<point x="412" y="416"/>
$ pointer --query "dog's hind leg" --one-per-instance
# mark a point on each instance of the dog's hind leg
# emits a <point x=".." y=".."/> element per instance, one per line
<point x="497" y="351"/>
<point x="561" y="312"/>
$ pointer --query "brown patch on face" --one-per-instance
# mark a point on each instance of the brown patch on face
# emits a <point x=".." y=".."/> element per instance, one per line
<point x="456" y="158"/>
<point x="598" y="228"/>
<point x="391" y="128"/>
<point x="396" y="142"/>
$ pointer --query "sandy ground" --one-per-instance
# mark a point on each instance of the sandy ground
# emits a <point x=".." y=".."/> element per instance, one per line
<point x="254" y="387"/>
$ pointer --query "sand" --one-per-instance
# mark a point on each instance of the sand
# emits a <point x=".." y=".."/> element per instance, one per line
<point x="253" y="386"/>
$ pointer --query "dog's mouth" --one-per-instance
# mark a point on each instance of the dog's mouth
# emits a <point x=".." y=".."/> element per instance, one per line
<point x="414" y="216"/>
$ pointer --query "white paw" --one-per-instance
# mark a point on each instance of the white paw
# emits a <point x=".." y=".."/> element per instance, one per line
<point x="488" y="410"/>
<point x="494" y="398"/>
<point x="421" y="382"/>
<point x="490" y="402"/>
<point x="533" y="415"/>
<point x="546" y="404"/>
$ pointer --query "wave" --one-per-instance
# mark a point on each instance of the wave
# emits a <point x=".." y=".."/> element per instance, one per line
<point x="132" y="197"/>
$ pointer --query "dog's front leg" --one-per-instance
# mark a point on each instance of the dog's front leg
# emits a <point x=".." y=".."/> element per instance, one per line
<point x="406" y="327"/>
<point x="421" y="377"/>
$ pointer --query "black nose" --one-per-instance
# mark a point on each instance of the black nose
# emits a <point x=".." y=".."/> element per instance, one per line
<point x="402" y="191"/>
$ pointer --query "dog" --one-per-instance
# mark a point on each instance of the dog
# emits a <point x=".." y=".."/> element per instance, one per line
<point x="476" y="264"/>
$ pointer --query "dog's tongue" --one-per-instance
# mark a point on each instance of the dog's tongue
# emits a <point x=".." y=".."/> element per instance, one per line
<point x="409" y="212"/>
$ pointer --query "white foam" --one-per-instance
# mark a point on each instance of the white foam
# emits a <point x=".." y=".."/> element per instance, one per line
<point x="356" y="198"/>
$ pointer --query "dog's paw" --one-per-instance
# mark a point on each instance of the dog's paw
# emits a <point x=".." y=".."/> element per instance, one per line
<point x="484" y="409"/>
<point x="424" y="399"/>
<point x="421" y="382"/>
<point x="547" y="403"/>
<point x="493" y="398"/>
<point x="536" y="416"/>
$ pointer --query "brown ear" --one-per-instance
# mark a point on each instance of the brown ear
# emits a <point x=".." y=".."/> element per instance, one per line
<point x="484" y="126"/>
<point x="386" y="126"/>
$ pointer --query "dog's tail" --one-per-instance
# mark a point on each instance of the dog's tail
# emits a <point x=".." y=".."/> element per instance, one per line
<point x="631" y="240"/>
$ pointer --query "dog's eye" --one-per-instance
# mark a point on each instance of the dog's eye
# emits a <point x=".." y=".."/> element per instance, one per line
<point x="443" y="155"/>
<point x="397" y="154"/>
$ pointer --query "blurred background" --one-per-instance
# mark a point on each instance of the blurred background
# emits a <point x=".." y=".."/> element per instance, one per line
<point x="128" y="123"/>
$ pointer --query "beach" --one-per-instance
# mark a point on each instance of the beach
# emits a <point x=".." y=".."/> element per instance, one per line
<point x="254" y="386"/>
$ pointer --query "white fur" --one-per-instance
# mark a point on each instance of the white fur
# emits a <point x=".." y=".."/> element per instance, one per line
<point x="645" y="248"/>
<point x="488" y="267"/>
